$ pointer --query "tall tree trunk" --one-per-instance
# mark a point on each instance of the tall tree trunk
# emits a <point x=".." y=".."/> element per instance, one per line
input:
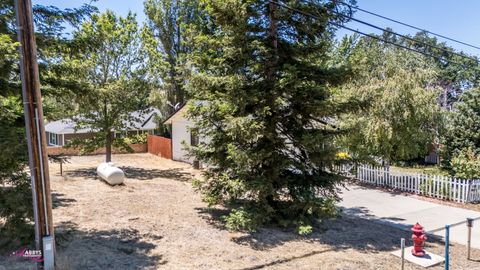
<point x="272" y="170"/>
<point x="177" y="96"/>
<point x="108" y="146"/>
<point x="108" y="135"/>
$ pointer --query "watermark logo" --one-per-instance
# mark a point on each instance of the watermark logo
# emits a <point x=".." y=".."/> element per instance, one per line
<point x="31" y="254"/>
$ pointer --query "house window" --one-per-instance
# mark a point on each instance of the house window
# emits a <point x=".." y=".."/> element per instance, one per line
<point x="193" y="139"/>
<point x="52" y="139"/>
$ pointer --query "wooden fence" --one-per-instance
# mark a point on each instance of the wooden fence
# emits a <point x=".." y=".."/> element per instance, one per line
<point x="159" y="146"/>
<point x="57" y="150"/>
<point x="441" y="187"/>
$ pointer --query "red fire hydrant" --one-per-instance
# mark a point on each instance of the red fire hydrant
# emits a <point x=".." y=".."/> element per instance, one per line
<point x="418" y="238"/>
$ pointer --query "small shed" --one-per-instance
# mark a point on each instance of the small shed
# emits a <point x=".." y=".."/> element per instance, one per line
<point x="181" y="134"/>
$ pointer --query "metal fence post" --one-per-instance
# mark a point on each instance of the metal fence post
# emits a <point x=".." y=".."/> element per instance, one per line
<point x="447" y="240"/>
<point x="469" y="240"/>
<point x="402" y="244"/>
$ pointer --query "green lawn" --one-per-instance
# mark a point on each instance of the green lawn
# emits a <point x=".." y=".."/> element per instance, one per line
<point x="437" y="170"/>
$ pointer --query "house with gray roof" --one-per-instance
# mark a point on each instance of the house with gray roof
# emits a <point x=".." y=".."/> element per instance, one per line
<point x="61" y="131"/>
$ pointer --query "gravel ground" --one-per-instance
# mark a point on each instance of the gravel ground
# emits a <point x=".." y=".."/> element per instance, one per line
<point x="157" y="221"/>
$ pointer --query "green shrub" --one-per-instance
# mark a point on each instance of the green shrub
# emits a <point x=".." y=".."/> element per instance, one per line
<point x="304" y="229"/>
<point x="241" y="220"/>
<point x="466" y="164"/>
<point x="297" y="215"/>
<point x="137" y="139"/>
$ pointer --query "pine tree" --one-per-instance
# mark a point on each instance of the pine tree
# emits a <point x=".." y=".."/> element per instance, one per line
<point x="463" y="128"/>
<point x="261" y="87"/>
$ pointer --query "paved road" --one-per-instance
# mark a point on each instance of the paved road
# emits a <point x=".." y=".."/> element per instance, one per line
<point x="402" y="212"/>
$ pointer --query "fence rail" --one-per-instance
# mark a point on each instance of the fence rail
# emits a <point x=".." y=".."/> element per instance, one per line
<point x="440" y="187"/>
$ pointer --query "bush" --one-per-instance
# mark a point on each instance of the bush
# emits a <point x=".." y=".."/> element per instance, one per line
<point x="466" y="164"/>
<point x="302" y="215"/>
<point x="137" y="139"/>
<point x="241" y="220"/>
<point x="293" y="214"/>
<point x="304" y="229"/>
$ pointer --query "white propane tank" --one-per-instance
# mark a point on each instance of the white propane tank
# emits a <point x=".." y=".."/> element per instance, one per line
<point x="111" y="174"/>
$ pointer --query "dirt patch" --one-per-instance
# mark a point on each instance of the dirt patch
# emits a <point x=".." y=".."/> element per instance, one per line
<point x="157" y="221"/>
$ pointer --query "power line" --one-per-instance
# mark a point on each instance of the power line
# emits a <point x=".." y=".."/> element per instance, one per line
<point x="409" y="25"/>
<point x="403" y="36"/>
<point x="364" y="34"/>
<point x="395" y="44"/>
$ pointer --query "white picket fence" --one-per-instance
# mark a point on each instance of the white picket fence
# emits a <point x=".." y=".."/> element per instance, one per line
<point x="441" y="187"/>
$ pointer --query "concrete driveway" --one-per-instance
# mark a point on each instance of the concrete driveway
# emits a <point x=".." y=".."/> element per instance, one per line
<point x="403" y="212"/>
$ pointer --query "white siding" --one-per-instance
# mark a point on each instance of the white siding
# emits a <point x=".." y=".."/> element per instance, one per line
<point x="180" y="133"/>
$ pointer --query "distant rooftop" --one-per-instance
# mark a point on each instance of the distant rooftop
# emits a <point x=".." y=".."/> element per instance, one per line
<point x="144" y="120"/>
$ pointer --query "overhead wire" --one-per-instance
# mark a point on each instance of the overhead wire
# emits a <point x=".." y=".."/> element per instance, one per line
<point x="367" y="35"/>
<point x="404" y="36"/>
<point x="409" y="25"/>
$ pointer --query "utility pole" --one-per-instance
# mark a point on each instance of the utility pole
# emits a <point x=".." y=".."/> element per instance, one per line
<point x="38" y="159"/>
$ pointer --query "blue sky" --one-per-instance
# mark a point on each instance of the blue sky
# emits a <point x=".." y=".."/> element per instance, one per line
<point x="458" y="19"/>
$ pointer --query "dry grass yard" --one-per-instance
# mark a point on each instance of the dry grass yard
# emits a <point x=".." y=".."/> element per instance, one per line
<point x="156" y="220"/>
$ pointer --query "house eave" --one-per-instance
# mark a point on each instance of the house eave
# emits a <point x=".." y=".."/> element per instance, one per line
<point x="175" y="114"/>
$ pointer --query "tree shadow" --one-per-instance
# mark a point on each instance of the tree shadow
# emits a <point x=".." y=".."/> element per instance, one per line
<point x="82" y="173"/>
<point x="280" y="261"/>
<point x="148" y="174"/>
<point x="213" y="216"/>
<point x="105" y="249"/>
<point x="393" y="192"/>
<point x="363" y="212"/>
<point x="134" y="173"/>
<point x="360" y="231"/>
<point x="59" y="200"/>
<point x="264" y="238"/>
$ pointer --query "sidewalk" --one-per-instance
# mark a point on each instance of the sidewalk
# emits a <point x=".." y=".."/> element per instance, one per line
<point x="403" y="212"/>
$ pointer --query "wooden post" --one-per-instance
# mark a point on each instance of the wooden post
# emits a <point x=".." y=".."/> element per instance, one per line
<point x="38" y="159"/>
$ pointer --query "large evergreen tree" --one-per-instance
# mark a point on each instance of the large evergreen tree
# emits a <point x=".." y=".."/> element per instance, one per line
<point x="463" y="127"/>
<point x="261" y="87"/>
